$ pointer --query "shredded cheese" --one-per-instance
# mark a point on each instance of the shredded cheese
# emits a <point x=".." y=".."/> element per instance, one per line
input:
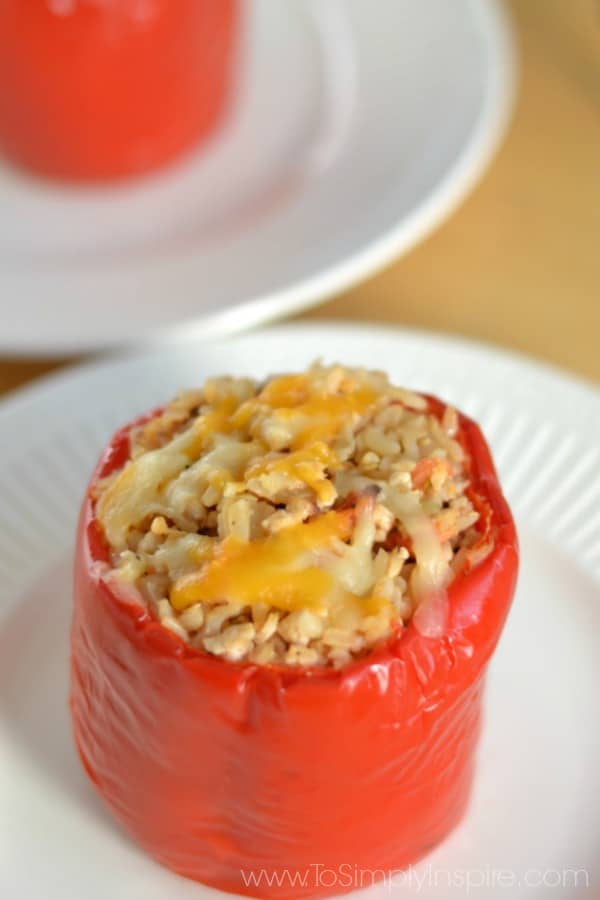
<point x="326" y="504"/>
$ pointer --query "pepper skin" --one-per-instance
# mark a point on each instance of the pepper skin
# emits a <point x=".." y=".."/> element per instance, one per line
<point x="221" y="770"/>
<point x="104" y="89"/>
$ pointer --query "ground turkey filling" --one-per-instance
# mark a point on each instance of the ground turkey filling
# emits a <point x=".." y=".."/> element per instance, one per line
<point x="296" y="522"/>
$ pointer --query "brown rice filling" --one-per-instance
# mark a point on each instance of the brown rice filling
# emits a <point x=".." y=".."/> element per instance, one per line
<point x="297" y="522"/>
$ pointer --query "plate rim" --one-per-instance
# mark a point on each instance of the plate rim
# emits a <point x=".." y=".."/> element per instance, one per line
<point x="21" y="396"/>
<point x="460" y="179"/>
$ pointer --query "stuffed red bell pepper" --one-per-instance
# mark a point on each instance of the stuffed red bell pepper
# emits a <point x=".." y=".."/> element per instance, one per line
<point x="286" y="596"/>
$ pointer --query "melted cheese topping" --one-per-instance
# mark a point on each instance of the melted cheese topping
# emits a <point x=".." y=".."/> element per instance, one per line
<point x="279" y="569"/>
<point x="314" y="418"/>
<point x="309" y="466"/>
<point x="282" y="498"/>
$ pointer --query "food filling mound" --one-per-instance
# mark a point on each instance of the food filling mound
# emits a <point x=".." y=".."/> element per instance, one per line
<point x="299" y="521"/>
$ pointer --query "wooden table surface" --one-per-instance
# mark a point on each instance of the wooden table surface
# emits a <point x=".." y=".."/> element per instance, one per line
<point x="519" y="263"/>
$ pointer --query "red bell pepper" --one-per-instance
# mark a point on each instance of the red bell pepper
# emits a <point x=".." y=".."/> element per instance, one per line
<point x="97" y="89"/>
<point x="284" y="782"/>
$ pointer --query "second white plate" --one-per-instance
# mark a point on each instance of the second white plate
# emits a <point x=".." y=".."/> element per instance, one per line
<point x="356" y="129"/>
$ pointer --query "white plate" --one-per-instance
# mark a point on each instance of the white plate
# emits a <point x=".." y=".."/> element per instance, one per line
<point x="359" y="126"/>
<point x="535" y="807"/>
